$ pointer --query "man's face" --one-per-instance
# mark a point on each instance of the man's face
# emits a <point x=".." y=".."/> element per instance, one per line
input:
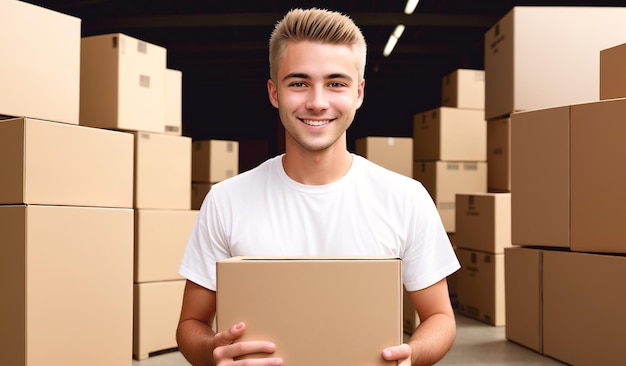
<point x="317" y="93"/>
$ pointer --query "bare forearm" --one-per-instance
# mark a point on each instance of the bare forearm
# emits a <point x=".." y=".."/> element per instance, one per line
<point x="432" y="339"/>
<point x="195" y="342"/>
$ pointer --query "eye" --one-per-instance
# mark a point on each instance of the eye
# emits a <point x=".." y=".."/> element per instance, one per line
<point x="336" y="84"/>
<point x="297" y="84"/>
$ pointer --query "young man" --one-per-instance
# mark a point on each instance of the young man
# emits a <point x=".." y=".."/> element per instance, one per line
<point x="317" y="199"/>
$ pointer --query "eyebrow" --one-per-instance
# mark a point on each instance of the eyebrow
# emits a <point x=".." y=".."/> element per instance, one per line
<point x="300" y="75"/>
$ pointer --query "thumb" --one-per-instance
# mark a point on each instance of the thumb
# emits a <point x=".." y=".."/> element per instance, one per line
<point x="228" y="336"/>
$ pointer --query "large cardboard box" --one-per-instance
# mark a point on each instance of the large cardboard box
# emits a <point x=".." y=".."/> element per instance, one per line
<point x="173" y="102"/>
<point x="541" y="57"/>
<point x="523" y="290"/>
<point x="66" y="285"/>
<point x="463" y="88"/>
<point x="54" y="163"/>
<point x="122" y="83"/>
<point x="480" y="286"/>
<point x="40" y="68"/>
<point x="214" y="160"/>
<point x="598" y="177"/>
<point x="483" y="221"/>
<point x="499" y="155"/>
<point x="444" y="179"/>
<point x="311" y="308"/>
<point x="162" y="171"/>
<point x="612" y="73"/>
<point x="393" y="153"/>
<point x="156" y="312"/>
<point x="584" y="297"/>
<point x="450" y="134"/>
<point x="160" y="240"/>
<point x="540" y="176"/>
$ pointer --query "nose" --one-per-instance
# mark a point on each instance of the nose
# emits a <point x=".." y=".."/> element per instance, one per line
<point x="317" y="99"/>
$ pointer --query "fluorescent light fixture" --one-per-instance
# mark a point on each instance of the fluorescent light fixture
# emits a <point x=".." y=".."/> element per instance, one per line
<point x="393" y="39"/>
<point x="410" y="6"/>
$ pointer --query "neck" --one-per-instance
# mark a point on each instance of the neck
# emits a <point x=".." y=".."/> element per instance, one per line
<point x="317" y="167"/>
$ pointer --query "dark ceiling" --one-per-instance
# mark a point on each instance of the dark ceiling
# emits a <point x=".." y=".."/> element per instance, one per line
<point x="221" y="48"/>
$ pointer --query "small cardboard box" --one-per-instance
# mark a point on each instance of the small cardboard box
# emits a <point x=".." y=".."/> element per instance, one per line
<point x="393" y="153"/>
<point x="612" y="72"/>
<point x="66" y="275"/>
<point x="483" y="221"/>
<point x="214" y="160"/>
<point x="160" y="240"/>
<point x="173" y="102"/>
<point x="450" y="134"/>
<point x="464" y="88"/>
<point x="347" y="308"/>
<point x="162" y="171"/>
<point x="52" y="163"/>
<point x="499" y="155"/>
<point x="122" y="83"/>
<point x="40" y="68"/>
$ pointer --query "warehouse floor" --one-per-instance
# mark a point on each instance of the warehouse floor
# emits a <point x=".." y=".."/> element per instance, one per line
<point x="476" y="344"/>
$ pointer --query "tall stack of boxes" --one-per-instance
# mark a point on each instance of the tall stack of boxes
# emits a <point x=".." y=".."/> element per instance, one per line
<point x="66" y="195"/>
<point x="566" y="147"/>
<point x="123" y="79"/>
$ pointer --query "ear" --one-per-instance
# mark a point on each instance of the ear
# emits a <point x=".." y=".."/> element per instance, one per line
<point x="360" y="94"/>
<point x="272" y="93"/>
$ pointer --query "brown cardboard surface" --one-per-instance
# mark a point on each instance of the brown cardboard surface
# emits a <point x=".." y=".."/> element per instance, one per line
<point x="162" y="171"/>
<point x="463" y="88"/>
<point x="63" y="164"/>
<point x="40" y="67"/>
<point x="499" y="155"/>
<point x="393" y="153"/>
<point x="122" y="83"/>
<point x="156" y="312"/>
<point x="214" y="160"/>
<point x="311" y="308"/>
<point x="584" y="297"/>
<point x="524" y="295"/>
<point x="174" y="102"/>
<point x="70" y="271"/>
<point x="483" y="221"/>
<point x="598" y="177"/>
<point x="198" y="194"/>
<point x="540" y="176"/>
<point x="450" y="134"/>
<point x="612" y="73"/>
<point x="541" y="57"/>
<point x="160" y="240"/>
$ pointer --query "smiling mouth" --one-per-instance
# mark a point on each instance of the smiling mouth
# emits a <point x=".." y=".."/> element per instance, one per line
<point x="316" y="123"/>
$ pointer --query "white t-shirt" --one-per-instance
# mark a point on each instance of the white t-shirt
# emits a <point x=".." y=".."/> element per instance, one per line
<point x="370" y="211"/>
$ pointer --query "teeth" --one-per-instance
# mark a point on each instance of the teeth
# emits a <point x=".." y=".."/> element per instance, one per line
<point x="315" y="123"/>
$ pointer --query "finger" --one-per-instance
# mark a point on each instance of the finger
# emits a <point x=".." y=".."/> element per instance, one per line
<point x="244" y="348"/>
<point x="400" y="352"/>
<point x="228" y="336"/>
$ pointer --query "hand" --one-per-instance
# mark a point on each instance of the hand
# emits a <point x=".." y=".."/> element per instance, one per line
<point x="401" y="353"/>
<point x="226" y="351"/>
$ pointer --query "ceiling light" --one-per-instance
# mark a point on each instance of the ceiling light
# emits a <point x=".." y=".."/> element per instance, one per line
<point x="410" y="6"/>
<point x="393" y="39"/>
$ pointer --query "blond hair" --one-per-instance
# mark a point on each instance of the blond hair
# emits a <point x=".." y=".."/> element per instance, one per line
<point x="316" y="25"/>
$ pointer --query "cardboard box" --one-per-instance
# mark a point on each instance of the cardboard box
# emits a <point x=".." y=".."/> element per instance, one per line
<point x="523" y="290"/>
<point x="162" y="171"/>
<point x="393" y="153"/>
<point x="53" y="163"/>
<point x="612" y="73"/>
<point x="499" y="155"/>
<point x="541" y="57"/>
<point x="122" y="83"/>
<point x="584" y="297"/>
<point x="40" y="70"/>
<point x="198" y="193"/>
<point x="483" y="221"/>
<point x="173" y="102"/>
<point x="214" y="160"/>
<point x="464" y="88"/>
<point x="540" y="173"/>
<point x="480" y="286"/>
<point x="349" y="308"/>
<point x="450" y="134"/>
<point x="66" y="276"/>
<point x="156" y="311"/>
<point x="160" y="240"/>
<point x="598" y="177"/>
<point x="444" y="179"/>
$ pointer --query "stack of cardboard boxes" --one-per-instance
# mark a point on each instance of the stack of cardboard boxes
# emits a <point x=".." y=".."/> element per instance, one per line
<point x="566" y="184"/>
<point x="212" y="161"/>
<point x="66" y="197"/>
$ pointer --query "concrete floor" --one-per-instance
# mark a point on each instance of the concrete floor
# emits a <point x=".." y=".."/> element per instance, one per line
<point x="476" y="344"/>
